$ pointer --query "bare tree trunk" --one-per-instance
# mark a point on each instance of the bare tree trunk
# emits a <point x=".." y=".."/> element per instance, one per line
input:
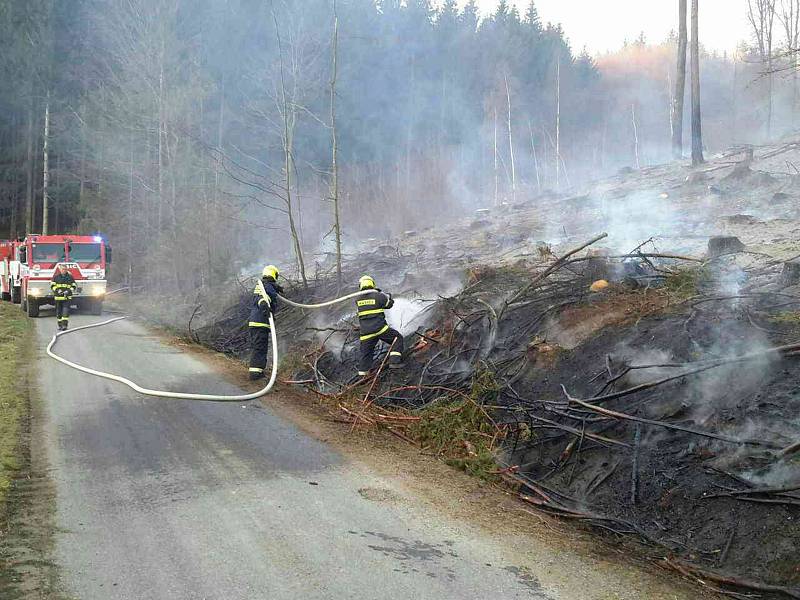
<point x="130" y="219"/>
<point x="218" y="162"/>
<point x="795" y="38"/>
<point x="511" y="145"/>
<point x="770" y="86"/>
<point x="288" y="166"/>
<point x="789" y="15"/>
<point x="56" y="200"/>
<point x="697" y="135"/>
<point x="680" y="83"/>
<point x="635" y="137"/>
<point x="29" y="173"/>
<point x="220" y="129"/>
<point x="334" y="191"/>
<point x="14" y="174"/>
<point x="82" y="168"/>
<point x="734" y="103"/>
<point x="160" y="198"/>
<point x="535" y="159"/>
<point x="671" y="105"/>
<point x="761" y="15"/>
<point x="558" y="121"/>
<point x="46" y="168"/>
<point x="496" y="172"/>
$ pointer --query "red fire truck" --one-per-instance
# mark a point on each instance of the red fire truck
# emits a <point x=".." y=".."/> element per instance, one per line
<point x="9" y="290"/>
<point x="86" y="258"/>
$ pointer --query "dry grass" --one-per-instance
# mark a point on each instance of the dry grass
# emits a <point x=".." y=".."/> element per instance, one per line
<point x="16" y="335"/>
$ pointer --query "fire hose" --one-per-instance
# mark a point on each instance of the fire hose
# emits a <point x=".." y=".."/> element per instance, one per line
<point x="183" y="395"/>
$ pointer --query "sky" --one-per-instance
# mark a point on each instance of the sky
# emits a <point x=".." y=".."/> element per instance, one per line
<point x="603" y="25"/>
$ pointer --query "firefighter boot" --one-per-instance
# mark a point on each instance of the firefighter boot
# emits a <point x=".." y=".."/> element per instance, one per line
<point x="395" y="360"/>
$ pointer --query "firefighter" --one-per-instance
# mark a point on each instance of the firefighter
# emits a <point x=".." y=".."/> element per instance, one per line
<point x="263" y="304"/>
<point x="373" y="326"/>
<point x="63" y="286"/>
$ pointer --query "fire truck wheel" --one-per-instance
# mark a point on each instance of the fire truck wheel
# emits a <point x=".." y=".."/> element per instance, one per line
<point x="6" y="296"/>
<point x="96" y="307"/>
<point x="33" y="307"/>
<point x="15" y="295"/>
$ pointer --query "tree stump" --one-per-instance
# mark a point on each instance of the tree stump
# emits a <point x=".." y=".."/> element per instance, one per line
<point x="598" y="266"/>
<point x="791" y="273"/>
<point x="724" y="244"/>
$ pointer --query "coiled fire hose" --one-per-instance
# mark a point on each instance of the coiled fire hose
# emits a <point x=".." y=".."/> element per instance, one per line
<point x="182" y="395"/>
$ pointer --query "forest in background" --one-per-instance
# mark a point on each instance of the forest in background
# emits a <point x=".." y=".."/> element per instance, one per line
<point x="202" y="136"/>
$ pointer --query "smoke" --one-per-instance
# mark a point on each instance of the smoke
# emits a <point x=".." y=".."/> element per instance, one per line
<point x="403" y="316"/>
<point x="781" y="474"/>
<point x="626" y="354"/>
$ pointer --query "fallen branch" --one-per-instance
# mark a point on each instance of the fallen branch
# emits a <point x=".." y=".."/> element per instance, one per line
<point x="705" y="366"/>
<point x="791" y="449"/>
<point x="717" y="577"/>
<point x="623" y="416"/>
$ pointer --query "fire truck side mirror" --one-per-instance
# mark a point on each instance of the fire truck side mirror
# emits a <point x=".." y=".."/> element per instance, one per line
<point x="108" y="254"/>
<point x="23" y="254"/>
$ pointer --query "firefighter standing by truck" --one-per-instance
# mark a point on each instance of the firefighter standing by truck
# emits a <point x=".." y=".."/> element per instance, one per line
<point x="63" y="287"/>
<point x="374" y="328"/>
<point x="263" y="304"/>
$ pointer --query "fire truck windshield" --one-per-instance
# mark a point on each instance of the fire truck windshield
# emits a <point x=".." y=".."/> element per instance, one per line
<point x="48" y="253"/>
<point x="84" y="253"/>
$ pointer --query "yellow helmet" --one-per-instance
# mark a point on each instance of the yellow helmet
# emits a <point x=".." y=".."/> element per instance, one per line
<point x="270" y="271"/>
<point x="366" y="283"/>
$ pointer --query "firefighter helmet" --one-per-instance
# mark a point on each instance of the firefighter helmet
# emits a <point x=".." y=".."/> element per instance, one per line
<point x="366" y="283"/>
<point x="270" y="271"/>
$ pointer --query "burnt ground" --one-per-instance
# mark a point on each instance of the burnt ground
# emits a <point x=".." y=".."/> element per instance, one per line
<point x="702" y="465"/>
<point x="715" y="503"/>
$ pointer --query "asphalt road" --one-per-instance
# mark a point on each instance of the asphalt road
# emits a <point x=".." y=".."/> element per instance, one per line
<point x="161" y="499"/>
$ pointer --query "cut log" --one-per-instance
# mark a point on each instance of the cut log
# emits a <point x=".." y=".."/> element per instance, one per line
<point x="723" y="244"/>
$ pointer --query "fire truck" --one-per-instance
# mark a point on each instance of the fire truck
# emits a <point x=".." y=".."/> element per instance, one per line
<point x="86" y="258"/>
<point x="9" y="287"/>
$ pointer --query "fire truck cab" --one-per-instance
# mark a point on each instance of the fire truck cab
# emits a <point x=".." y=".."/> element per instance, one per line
<point x="86" y="258"/>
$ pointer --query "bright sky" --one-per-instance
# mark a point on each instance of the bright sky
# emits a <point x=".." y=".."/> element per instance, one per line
<point x="602" y="25"/>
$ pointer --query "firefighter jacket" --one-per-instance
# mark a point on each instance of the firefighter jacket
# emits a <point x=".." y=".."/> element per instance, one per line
<point x="260" y="307"/>
<point x="63" y="286"/>
<point x="371" y="317"/>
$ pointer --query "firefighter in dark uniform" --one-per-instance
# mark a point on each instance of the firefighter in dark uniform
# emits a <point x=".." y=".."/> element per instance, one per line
<point x="373" y="326"/>
<point x="263" y="304"/>
<point x="63" y="286"/>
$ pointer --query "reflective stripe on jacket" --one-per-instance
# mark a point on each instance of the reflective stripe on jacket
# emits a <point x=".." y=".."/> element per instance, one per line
<point x="63" y="286"/>
<point x="260" y="308"/>
<point x="371" y="318"/>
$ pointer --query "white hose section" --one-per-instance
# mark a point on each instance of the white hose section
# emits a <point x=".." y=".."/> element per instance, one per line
<point x="183" y="395"/>
<point x="162" y="393"/>
<point x="324" y="304"/>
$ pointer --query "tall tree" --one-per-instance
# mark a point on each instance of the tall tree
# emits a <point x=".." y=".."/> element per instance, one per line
<point x="697" y="134"/>
<point x="790" y="19"/>
<point x="761" y="14"/>
<point x="680" y="84"/>
<point x="334" y="191"/>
